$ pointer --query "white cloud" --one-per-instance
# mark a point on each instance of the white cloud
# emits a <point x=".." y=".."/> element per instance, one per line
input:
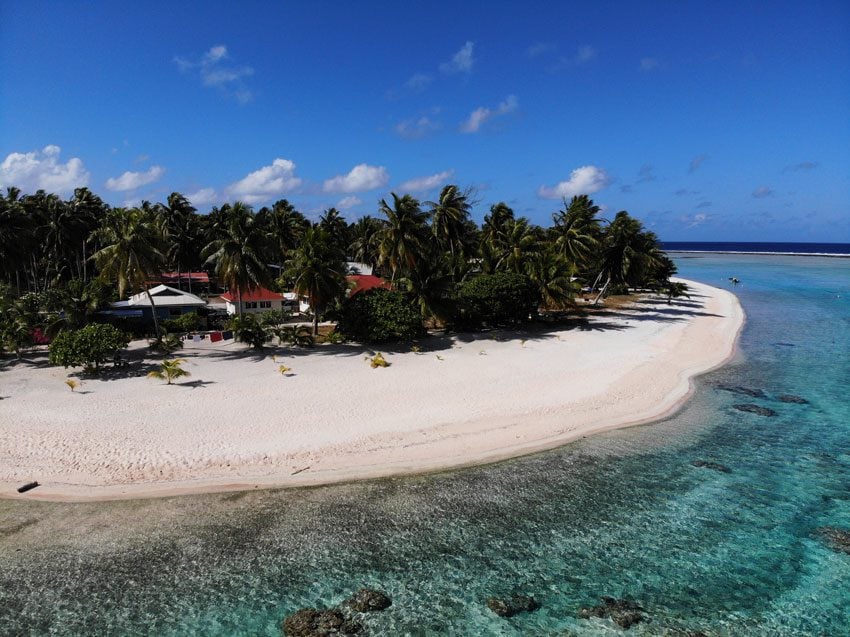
<point x="483" y="114"/>
<point x="203" y="196"/>
<point x="418" y="82"/>
<point x="585" y="54"/>
<point x="361" y="177"/>
<point x="539" y="48"/>
<point x="585" y="180"/>
<point x="43" y="171"/>
<point x="762" y="191"/>
<point x="132" y="180"/>
<point x="461" y="62"/>
<point x="262" y="184"/>
<point x="415" y="128"/>
<point x="647" y="64"/>
<point x="429" y="182"/>
<point x="346" y="203"/>
<point x="215" y="72"/>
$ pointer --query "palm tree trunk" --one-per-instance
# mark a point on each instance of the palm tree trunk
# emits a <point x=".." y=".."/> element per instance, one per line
<point x="315" y="321"/>
<point x="153" y="312"/>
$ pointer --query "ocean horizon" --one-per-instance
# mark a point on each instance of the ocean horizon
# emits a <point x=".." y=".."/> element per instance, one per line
<point x="714" y="520"/>
<point x="760" y="247"/>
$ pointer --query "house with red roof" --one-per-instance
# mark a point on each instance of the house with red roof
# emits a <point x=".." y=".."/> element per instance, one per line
<point x="362" y="282"/>
<point x="255" y="301"/>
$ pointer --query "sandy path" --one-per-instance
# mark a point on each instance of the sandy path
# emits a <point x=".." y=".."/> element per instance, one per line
<point x="238" y="423"/>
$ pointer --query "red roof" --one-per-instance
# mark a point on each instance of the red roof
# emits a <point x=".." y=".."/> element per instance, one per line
<point x="363" y="282"/>
<point x="195" y="277"/>
<point x="256" y="294"/>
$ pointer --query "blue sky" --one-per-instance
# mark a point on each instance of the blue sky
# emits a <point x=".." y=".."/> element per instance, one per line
<point x="708" y="121"/>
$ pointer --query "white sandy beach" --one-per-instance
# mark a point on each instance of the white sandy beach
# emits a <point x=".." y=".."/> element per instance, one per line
<point x="238" y="423"/>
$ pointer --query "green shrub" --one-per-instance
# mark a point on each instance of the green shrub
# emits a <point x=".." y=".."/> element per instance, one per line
<point x="188" y="322"/>
<point x="297" y="335"/>
<point x="503" y="298"/>
<point x="248" y="329"/>
<point x="88" y="347"/>
<point x="274" y="317"/>
<point x="379" y="315"/>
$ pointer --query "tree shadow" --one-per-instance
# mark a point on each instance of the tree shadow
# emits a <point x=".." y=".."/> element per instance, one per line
<point x="195" y="384"/>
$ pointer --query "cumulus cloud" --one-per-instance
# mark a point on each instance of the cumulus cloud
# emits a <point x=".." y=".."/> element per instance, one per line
<point x="461" y="62"/>
<point x="648" y="64"/>
<point x="428" y="182"/>
<point x="266" y="182"/>
<point x="131" y="180"/>
<point x="696" y="162"/>
<point x="585" y="180"/>
<point x="481" y="115"/>
<point x="203" y="197"/>
<point x="43" y="171"/>
<point x="360" y="178"/>
<point x="584" y="54"/>
<point x="215" y="71"/>
<point x="692" y="221"/>
<point x="762" y="191"/>
<point x="346" y="203"/>
<point x="416" y="128"/>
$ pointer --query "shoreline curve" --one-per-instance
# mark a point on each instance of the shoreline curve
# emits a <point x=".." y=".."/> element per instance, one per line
<point x="637" y="365"/>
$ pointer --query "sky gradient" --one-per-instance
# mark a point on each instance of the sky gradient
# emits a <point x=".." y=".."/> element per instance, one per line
<point x="708" y="121"/>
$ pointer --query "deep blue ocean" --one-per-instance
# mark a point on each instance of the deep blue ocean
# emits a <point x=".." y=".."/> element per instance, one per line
<point x="836" y="249"/>
<point x="624" y="514"/>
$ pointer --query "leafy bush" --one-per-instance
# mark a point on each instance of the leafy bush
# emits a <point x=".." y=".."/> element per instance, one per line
<point x="167" y="343"/>
<point x="298" y="335"/>
<point x="379" y="315"/>
<point x="188" y="322"/>
<point x="248" y="329"/>
<point x="88" y="347"/>
<point x="503" y="298"/>
<point x="274" y="317"/>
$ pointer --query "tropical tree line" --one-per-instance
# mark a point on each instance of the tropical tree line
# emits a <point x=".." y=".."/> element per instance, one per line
<point x="64" y="258"/>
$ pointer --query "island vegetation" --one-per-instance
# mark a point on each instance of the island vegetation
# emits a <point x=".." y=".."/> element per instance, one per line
<point x="64" y="260"/>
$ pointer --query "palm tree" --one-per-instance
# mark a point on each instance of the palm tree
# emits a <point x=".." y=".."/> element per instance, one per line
<point x="332" y="222"/>
<point x="429" y="284"/>
<point x="284" y="227"/>
<point x="181" y="229"/>
<point x="237" y="251"/>
<point x="552" y="273"/>
<point x="576" y="229"/>
<point x="494" y="228"/>
<point x="520" y="242"/>
<point x="448" y="216"/>
<point x="317" y="270"/>
<point x="402" y="237"/>
<point x="16" y="232"/>
<point x="169" y="370"/>
<point x="365" y="244"/>
<point x="131" y="252"/>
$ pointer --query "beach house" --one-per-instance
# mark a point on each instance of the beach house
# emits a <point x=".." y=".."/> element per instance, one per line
<point x="255" y="301"/>
<point x="169" y="303"/>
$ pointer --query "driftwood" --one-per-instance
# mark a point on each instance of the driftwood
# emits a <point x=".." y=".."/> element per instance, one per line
<point x="28" y="486"/>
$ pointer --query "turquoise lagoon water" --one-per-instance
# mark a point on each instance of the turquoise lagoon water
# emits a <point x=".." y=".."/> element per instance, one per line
<point x="622" y="514"/>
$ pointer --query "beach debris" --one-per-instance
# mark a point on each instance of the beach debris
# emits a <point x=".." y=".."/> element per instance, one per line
<point x="438" y="357"/>
<point x="28" y="486"/>
<point x="309" y="622"/>
<point x="522" y="342"/>
<point x="755" y="409"/>
<point x="73" y="384"/>
<point x="714" y="466"/>
<point x="378" y="360"/>
<point x="746" y="391"/>
<point x="780" y="344"/>
<point x="283" y="369"/>
<point x="508" y="607"/>
<point x="791" y="398"/>
<point x="301" y="470"/>
<point x="625" y="613"/>
<point x="416" y="349"/>
<point x="368" y="600"/>
<point x="837" y="539"/>
<point x="482" y="353"/>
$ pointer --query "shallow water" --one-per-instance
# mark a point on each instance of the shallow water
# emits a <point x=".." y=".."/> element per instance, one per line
<point x="622" y="514"/>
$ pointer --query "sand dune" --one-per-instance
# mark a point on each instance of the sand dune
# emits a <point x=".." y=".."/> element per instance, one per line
<point x="238" y="423"/>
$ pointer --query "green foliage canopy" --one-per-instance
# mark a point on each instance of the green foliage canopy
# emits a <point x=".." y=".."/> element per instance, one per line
<point x="378" y="315"/>
<point x="88" y="347"/>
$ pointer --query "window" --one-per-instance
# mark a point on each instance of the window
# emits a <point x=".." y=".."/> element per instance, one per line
<point x="250" y="305"/>
<point x="265" y="304"/>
